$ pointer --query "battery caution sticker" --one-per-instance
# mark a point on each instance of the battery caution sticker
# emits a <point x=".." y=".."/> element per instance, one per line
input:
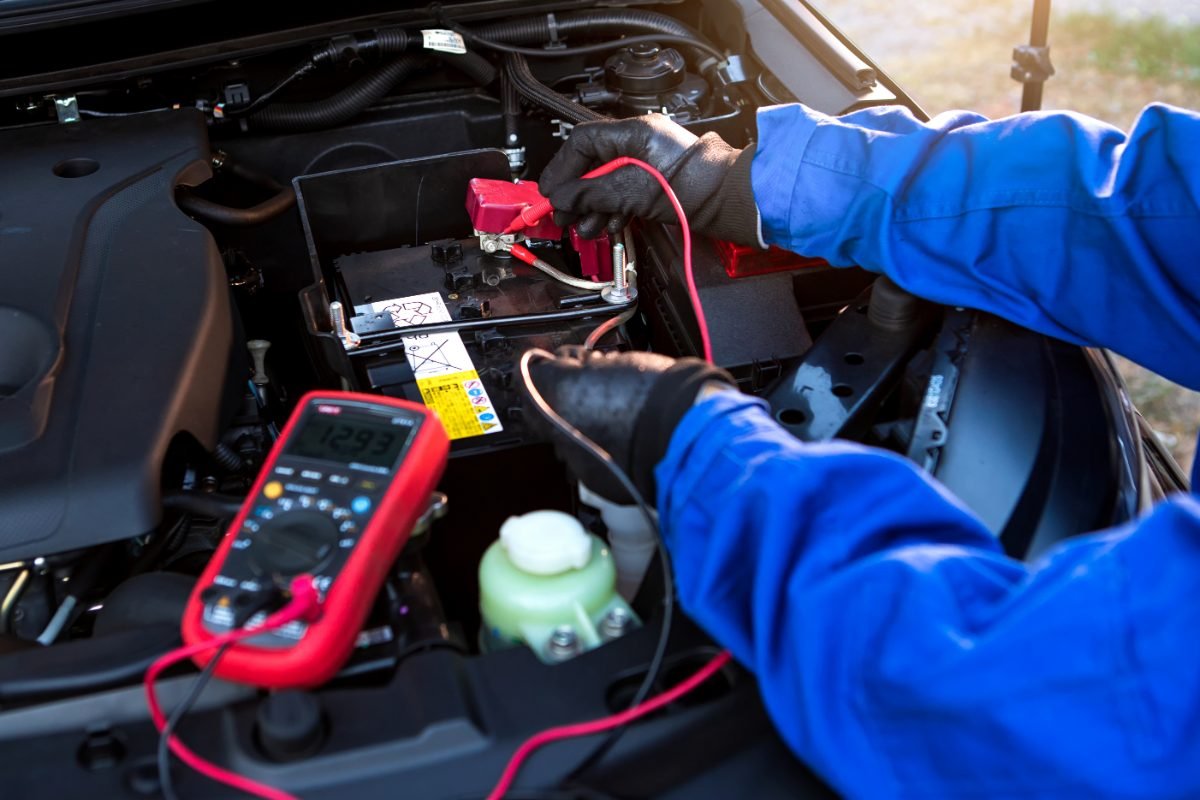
<point x="446" y="376"/>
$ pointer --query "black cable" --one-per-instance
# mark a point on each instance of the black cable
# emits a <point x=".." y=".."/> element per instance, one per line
<point x="523" y="81"/>
<point x="598" y="47"/>
<point x="342" y="106"/>
<point x="302" y="69"/>
<point x="664" y="636"/>
<point x="510" y="109"/>
<point x="164" y="751"/>
<point x="209" y="211"/>
<point x="548" y="28"/>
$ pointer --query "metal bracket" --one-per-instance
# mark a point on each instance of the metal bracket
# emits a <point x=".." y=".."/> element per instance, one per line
<point x="67" y="109"/>
<point x="492" y="243"/>
<point x="564" y="129"/>
<point x="731" y="71"/>
<point x="931" y="429"/>
<point x="439" y="504"/>
<point x="834" y="390"/>
<point x="1031" y="64"/>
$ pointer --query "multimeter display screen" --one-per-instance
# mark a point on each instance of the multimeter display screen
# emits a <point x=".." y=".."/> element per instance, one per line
<point x="350" y="440"/>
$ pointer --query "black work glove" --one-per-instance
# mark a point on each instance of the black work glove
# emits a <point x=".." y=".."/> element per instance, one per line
<point x="710" y="178"/>
<point x="627" y="403"/>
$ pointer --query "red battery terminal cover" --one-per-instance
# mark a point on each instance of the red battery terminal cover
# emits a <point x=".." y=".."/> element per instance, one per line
<point x="742" y="261"/>
<point x="495" y="206"/>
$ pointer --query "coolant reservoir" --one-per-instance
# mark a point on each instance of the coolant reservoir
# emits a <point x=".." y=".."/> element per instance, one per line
<point x="630" y="536"/>
<point x="551" y="585"/>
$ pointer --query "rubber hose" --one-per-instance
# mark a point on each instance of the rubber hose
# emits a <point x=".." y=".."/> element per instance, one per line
<point x="217" y="506"/>
<point x="283" y="199"/>
<point x="383" y="41"/>
<point x="537" y="30"/>
<point x="389" y="41"/>
<point x="209" y="211"/>
<point x="471" y="64"/>
<point x="227" y="458"/>
<point x="342" y="106"/>
<point x="524" y="81"/>
<point x="250" y="175"/>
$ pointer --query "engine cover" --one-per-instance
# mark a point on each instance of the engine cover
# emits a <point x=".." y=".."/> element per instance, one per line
<point x="115" y="325"/>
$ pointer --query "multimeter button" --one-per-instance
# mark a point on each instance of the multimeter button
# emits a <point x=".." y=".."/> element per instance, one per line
<point x="305" y="501"/>
<point x="360" y="504"/>
<point x="324" y="504"/>
<point x="286" y="503"/>
<point x="340" y="480"/>
<point x="292" y="543"/>
<point x="273" y="490"/>
<point x="264" y="512"/>
<point x="341" y="513"/>
<point x="347" y="527"/>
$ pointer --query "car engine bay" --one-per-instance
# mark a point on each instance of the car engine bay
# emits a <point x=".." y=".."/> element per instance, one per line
<point x="192" y="243"/>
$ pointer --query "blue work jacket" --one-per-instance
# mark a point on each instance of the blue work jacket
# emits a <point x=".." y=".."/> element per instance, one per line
<point x="899" y="651"/>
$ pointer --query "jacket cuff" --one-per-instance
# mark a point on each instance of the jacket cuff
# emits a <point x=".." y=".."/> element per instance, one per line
<point x="783" y="135"/>
<point x="669" y="400"/>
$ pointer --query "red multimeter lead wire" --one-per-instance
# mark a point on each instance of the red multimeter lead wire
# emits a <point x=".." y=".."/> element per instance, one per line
<point x="530" y="216"/>
<point x="305" y="606"/>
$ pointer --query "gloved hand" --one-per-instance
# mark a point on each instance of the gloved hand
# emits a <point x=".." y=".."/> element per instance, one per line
<point x="627" y="403"/>
<point x="710" y="178"/>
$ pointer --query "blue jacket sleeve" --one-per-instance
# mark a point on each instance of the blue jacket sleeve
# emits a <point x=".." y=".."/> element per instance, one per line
<point x="901" y="653"/>
<point x="1053" y="220"/>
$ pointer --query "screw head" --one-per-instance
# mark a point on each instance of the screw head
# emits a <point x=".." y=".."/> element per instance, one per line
<point x="616" y="623"/>
<point x="563" y="643"/>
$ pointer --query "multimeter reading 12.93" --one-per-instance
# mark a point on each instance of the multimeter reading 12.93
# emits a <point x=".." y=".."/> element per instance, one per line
<point x="350" y="441"/>
<point x="335" y="500"/>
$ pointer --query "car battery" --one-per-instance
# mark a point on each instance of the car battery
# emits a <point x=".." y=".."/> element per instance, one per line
<point x="444" y="324"/>
<point x="434" y="313"/>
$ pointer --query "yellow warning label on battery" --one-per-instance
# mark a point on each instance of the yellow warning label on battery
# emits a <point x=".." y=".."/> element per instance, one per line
<point x="442" y="366"/>
<point x="461" y="403"/>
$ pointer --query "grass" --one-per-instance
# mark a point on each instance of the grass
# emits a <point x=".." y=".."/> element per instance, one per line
<point x="1149" y="47"/>
<point x="955" y="54"/>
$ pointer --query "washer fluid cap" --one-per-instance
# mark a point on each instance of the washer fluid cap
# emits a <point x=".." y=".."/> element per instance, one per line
<point x="546" y="542"/>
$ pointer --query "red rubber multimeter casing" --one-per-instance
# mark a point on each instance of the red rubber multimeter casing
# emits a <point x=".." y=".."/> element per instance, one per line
<point x="316" y="510"/>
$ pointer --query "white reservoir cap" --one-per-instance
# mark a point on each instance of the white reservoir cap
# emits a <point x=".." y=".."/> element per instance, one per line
<point x="546" y="542"/>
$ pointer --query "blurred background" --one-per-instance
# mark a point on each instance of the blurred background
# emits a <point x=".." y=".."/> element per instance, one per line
<point x="1111" y="59"/>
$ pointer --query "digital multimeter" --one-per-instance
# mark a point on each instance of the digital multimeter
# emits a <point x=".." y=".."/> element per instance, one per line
<point x="336" y="499"/>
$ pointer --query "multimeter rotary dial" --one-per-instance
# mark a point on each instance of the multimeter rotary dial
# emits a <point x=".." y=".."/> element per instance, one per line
<point x="294" y="542"/>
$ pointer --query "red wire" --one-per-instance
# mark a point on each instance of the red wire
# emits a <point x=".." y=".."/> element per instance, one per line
<point x="304" y="605"/>
<point x="530" y="216"/>
<point x="604" y="723"/>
